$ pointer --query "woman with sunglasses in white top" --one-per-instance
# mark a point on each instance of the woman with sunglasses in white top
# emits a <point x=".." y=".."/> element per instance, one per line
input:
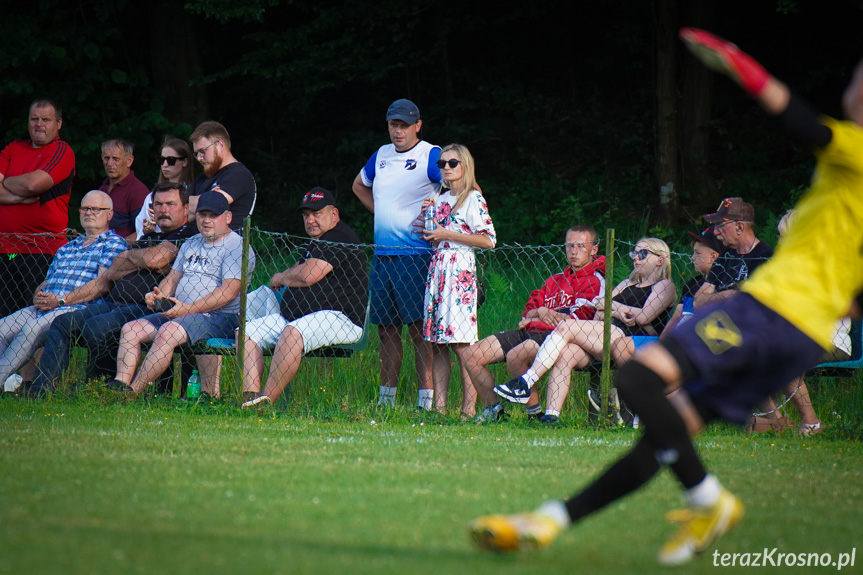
<point x="175" y="165"/>
<point x="458" y="224"/>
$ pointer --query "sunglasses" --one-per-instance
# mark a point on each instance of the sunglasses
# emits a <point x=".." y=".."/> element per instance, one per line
<point x="441" y="164"/>
<point x="170" y="159"/>
<point x="641" y="254"/>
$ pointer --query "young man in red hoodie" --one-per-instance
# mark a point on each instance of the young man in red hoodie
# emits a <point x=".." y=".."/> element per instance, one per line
<point x="562" y="296"/>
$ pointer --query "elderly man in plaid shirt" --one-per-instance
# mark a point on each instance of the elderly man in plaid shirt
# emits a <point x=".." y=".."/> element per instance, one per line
<point x="71" y="281"/>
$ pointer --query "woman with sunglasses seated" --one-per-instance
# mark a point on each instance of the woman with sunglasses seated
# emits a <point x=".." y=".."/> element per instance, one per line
<point x="174" y="166"/>
<point x="641" y="306"/>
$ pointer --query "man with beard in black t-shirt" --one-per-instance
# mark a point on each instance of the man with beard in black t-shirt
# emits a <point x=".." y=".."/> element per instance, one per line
<point x="323" y="303"/>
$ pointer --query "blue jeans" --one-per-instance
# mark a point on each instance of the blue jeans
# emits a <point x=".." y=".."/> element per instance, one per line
<point x="98" y="325"/>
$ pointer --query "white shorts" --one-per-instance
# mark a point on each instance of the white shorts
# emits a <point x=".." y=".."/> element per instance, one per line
<point x="318" y="329"/>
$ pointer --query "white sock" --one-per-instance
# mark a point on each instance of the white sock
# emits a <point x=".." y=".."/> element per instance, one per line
<point x="553" y="412"/>
<point x="556" y="510"/>
<point x="705" y="494"/>
<point x="548" y="352"/>
<point x="388" y="396"/>
<point x="426" y="399"/>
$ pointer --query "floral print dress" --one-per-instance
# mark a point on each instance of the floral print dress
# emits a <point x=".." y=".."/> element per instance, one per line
<point x="451" y="286"/>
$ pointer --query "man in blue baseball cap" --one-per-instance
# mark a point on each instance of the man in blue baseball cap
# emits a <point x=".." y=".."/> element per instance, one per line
<point x="392" y="185"/>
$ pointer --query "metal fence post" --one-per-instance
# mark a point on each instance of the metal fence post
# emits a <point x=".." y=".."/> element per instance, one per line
<point x="244" y="289"/>
<point x="605" y="378"/>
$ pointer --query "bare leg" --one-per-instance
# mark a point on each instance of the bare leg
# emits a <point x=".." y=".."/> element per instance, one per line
<point x="169" y="336"/>
<point x="468" y="392"/>
<point x="285" y="363"/>
<point x="801" y="401"/>
<point x="253" y="366"/>
<point x="28" y="370"/>
<point x="422" y="356"/>
<point x="210" y="368"/>
<point x="440" y="375"/>
<point x="391" y="354"/>
<point x="560" y="376"/>
<point x="476" y="360"/>
<point x="132" y="336"/>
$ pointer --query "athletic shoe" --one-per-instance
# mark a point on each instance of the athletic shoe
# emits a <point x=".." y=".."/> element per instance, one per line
<point x="260" y="401"/>
<point x="118" y="386"/>
<point x="613" y="403"/>
<point x="515" y="390"/>
<point x="726" y="58"/>
<point x="490" y="414"/>
<point x="509" y="533"/>
<point x="250" y="395"/>
<point x="12" y="383"/>
<point x="549" y="419"/>
<point x="699" y="528"/>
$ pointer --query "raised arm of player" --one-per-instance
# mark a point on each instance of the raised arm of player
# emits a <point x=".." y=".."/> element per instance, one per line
<point x="771" y="94"/>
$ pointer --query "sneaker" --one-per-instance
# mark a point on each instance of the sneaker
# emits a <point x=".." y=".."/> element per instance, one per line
<point x="536" y="416"/>
<point x="515" y="390"/>
<point x="260" y="401"/>
<point x="700" y="528"/>
<point x="509" y="533"/>
<point x="726" y="58"/>
<point x="549" y="419"/>
<point x="490" y="414"/>
<point x="593" y="399"/>
<point x="13" y="382"/>
<point x="613" y="403"/>
<point x="809" y="429"/>
<point x="118" y="386"/>
<point x="250" y="395"/>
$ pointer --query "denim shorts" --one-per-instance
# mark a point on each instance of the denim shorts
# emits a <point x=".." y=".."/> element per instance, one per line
<point x="397" y="286"/>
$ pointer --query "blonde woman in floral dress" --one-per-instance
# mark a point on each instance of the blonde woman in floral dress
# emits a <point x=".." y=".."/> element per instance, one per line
<point x="461" y="224"/>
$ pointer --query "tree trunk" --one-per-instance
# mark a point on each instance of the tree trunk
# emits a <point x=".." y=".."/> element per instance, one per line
<point x="667" y="169"/>
<point x="698" y="186"/>
<point x="176" y="61"/>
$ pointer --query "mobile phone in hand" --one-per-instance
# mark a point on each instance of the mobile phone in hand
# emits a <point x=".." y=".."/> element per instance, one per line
<point x="164" y="304"/>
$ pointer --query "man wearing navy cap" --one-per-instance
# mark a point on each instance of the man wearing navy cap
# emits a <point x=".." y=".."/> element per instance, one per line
<point x="323" y="301"/>
<point x="734" y="226"/>
<point x="198" y="299"/>
<point x="392" y="185"/>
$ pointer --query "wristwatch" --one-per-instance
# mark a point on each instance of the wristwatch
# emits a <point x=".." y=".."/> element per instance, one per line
<point x="61" y="301"/>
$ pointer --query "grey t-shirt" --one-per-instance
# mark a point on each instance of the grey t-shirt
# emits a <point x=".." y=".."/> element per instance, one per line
<point x="205" y="266"/>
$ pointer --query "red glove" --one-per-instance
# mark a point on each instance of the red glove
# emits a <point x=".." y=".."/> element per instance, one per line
<point x="722" y="56"/>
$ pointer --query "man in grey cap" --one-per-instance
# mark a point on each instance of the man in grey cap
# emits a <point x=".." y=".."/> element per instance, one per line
<point x="392" y="185"/>
<point x="198" y="299"/>
<point x="324" y="299"/>
<point x="734" y="226"/>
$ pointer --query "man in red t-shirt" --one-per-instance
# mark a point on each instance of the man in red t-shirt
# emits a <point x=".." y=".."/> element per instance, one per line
<point x="35" y="184"/>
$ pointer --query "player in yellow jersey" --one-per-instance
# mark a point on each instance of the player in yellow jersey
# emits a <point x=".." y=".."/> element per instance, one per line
<point x="728" y="356"/>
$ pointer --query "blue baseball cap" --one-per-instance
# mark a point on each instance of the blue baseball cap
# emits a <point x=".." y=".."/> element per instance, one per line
<point x="213" y="202"/>
<point x="403" y="110"/>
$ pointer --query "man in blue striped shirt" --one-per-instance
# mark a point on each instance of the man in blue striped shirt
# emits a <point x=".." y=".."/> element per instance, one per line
<point x="71" y="281"/>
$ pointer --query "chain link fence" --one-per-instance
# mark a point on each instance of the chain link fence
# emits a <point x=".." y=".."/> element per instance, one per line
<point x="344" y="376"/>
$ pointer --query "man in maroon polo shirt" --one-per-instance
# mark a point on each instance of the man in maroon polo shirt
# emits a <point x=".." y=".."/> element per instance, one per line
<point x="127" y="192"/>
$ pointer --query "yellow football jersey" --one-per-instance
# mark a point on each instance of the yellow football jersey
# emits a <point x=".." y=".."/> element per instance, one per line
<point x="817" y="269"/>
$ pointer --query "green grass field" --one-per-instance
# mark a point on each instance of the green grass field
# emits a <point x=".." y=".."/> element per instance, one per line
<point x="161" y="486"/>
